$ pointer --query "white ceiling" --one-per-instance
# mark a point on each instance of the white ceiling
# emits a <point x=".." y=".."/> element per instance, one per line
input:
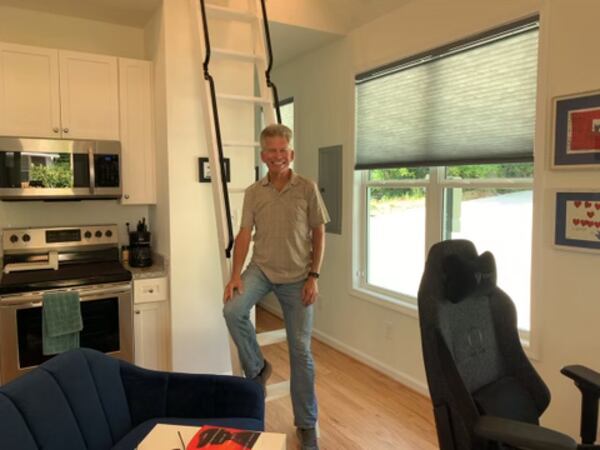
<point x="288" y="41"/>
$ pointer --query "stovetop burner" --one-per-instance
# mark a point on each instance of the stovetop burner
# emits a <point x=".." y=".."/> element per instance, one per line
<point x="66" y="276"/>
<point x="87" y="256"/>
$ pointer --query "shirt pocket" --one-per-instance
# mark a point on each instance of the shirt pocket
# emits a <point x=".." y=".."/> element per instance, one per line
<point x="297" y="210"/>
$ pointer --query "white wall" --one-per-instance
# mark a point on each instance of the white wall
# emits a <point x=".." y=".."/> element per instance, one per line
<point x="29" y="27"/>
<point x="199" y="334"/>
<point x="565" y="287"/>
<point x="50" y="30"/>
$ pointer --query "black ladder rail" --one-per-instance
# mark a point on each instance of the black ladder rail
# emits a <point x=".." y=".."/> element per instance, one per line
<point x="213" y="95"/>
<point x="270" y="65"/>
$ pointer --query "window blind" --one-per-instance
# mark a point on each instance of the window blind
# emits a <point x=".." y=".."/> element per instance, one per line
<point x="469" y="103"/>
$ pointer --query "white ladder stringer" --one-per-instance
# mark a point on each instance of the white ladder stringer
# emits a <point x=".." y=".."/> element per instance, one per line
<point x="267" y="99"/>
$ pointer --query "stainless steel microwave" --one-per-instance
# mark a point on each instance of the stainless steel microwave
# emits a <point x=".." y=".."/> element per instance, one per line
<point x="59" y="169"/>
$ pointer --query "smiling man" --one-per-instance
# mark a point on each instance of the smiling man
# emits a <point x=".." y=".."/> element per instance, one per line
<point x="288" y="217"/>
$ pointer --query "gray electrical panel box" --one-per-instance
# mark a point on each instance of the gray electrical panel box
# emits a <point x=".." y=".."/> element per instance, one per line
<point x="330" y="185"/>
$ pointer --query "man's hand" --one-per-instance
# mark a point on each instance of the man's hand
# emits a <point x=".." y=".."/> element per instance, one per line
<point x="235" y="284"/>
<point x="310" y="291"/>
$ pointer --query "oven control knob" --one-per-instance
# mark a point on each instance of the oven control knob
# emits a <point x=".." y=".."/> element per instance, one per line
<point x="14" y="238"/>
<point x="87" y="234"/>
<point x="108" y="233"/>
<point x="26" y="237"/>
<point x="98" y="234"/>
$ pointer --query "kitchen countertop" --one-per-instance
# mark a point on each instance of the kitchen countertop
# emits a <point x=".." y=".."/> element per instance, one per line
<point x="158" y="269"/>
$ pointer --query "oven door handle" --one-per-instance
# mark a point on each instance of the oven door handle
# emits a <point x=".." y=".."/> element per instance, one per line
<point x="35" y="298"/>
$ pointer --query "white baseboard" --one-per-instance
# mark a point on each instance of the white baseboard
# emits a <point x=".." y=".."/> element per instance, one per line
<point x="407" y="380"/>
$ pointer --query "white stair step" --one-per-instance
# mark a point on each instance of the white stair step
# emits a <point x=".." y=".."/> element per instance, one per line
<point x="220" y="12"/>
<point x="271" y="337"/>
<point x="241" y="144"/>
<point x="278" y="390"/>
<point x="244" y="98"/>
<point x="241" y="56"/>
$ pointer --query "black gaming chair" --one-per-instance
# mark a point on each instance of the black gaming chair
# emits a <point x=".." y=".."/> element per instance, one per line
<point x="485" y="392"/>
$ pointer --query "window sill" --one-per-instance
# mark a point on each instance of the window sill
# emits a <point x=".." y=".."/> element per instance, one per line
<point x="406" y="307"/>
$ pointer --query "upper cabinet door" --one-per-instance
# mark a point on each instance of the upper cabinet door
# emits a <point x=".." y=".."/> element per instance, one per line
<point x="89" y="92"/>
<point x="29" y="98"/>
<point x="137" y="132"/>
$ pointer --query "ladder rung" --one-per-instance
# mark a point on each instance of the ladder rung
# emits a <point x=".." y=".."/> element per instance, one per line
<point x="236" y="190"/>
<point x="278" y="390"/>
<point x="219" y="12"/>
<point x="271" y="337"/>
<point x="242" y="56"/>
<point x="241" y="144"/>
<point x="244" y="98"/>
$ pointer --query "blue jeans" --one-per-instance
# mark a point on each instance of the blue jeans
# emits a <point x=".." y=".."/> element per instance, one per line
<point x="298" y="324"/>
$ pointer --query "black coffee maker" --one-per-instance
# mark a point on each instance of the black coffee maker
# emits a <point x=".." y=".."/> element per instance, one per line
<point x="140" y="252"/>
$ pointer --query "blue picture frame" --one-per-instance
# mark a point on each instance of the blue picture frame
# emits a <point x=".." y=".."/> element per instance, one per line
<point x="578" y="220"/>
<point x="565" y="108"/>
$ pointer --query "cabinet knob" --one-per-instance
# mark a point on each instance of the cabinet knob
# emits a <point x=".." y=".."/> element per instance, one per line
<point x="126" y="196"/>
<point x="151" y="291"/>
<point x="137" y="311"/>
<point x="56" y="129"/>
<point x="65" y="130"/>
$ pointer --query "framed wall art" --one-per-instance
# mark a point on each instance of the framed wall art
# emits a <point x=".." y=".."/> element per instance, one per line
<point x="577" y="131"/>
<point x="578" y="220"/>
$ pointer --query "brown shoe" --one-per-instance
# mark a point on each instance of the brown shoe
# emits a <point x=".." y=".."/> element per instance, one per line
<point x="264" y="375"/>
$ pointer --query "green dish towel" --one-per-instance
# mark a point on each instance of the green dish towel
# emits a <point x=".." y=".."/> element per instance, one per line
<point x="61" y="322"/>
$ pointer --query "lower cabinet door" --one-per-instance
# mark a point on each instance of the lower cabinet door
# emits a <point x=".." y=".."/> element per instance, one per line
<point x="151" y="336"/>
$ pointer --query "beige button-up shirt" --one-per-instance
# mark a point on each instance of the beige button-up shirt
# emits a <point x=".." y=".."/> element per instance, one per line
<point x="283" y="223"/>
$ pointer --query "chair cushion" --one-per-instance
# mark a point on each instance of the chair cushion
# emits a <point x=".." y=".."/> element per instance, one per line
<point x="465" y="277"/>
<point x="43" y="405"/>
<point x="14" y="432"/>
<point x="135" y="436"/>
<point x="507" y="398"/>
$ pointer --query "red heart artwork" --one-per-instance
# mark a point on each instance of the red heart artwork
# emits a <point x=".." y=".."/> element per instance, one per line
<point x="597" y="224"/>
<point x="588" y="204"/>
<point x="575" y="221"/>
<point x="577" y="203"/>
<point x="590" y="214"/>
<point x="597" y="205"/>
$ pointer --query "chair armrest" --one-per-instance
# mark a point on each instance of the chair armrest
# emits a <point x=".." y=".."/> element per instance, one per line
<point x="521" y="434"/>
<point x="214" y="396"/>
<point x="151" y="394"/>
<point x="588" y="382"/>
<point x="585" y="378"/>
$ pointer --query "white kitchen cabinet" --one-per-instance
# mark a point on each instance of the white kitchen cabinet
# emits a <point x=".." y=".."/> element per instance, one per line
<point x="54" y="93"/>
<point x="89" y="96"/>
<point x="151" y="323"/>
<point x="29" y="92"/>
<point x="137" y="132"/>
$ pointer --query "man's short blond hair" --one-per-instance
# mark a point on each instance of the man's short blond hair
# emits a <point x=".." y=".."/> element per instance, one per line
<point x="275" y="130"/>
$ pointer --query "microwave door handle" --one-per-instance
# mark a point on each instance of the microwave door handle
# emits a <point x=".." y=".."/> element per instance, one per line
<point x="92" y="169"/>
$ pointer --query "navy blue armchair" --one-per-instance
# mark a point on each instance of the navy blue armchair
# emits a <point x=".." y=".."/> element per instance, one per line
<point x="86" y="400"/>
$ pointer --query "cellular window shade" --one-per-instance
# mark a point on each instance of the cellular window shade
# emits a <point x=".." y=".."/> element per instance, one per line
<point x="470" y="105"/>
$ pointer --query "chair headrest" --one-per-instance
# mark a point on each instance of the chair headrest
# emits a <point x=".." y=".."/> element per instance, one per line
<point x="465" y="277"/>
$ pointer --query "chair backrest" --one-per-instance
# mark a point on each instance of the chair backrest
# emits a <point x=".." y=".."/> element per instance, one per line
<point x="73" y="401"/>
<point x="473" y="357"/>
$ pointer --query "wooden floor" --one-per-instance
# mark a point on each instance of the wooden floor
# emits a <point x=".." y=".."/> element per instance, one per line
<point x="359" y="408"/>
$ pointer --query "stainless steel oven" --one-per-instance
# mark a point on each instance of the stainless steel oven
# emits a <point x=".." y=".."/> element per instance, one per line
<point x="106" y="311"/>
<point x="82" y="259"/>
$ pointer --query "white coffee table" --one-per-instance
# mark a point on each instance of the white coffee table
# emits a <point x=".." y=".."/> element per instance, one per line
<point x="166" y="437"/>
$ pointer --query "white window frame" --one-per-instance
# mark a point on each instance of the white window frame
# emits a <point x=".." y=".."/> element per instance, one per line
<point x="434" y="186"/>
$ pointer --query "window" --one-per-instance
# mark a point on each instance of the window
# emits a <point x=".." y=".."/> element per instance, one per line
<point x="445" y="151"/>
